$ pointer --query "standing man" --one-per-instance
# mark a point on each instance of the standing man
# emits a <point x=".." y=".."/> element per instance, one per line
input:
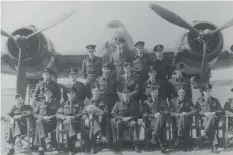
<point x="126" y="114"/>
<point x="118" y="57"/>
<point x="209" y="109"/>
<point x="91" y="66"/>
<point x="130" y="81"/>
<point x="164" y="72"/>
<point x="47" y="82"/>
<point x="45" y="113"/>
<point x="82" y="91"/>
<point x="182" y="109"/>
<point x="141" y="61"/>
<point x="150" y="84"/>
<point x="179" y="81"/>
<point x="107" y="88"/>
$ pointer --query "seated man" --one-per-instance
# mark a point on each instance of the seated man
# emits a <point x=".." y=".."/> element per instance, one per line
<point x="45" y="113"/>
<point x="70" y="113"/>
<point x="155" y="111"/>
<point x="93" y="115"/>
<point x="18" y="124"/>
<point x="228" y="107"/>
<point x="126" y="114"/>
<point x="209" y="109"/>
<point x="182" y="109"/>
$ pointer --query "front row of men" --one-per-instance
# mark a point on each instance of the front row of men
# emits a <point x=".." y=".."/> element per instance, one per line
<point x="125" y="114"/>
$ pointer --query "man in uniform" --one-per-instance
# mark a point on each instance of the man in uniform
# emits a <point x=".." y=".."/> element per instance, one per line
<point x="70" y="113"/>
<point x="82" y="91"/>
<point x="47" y="82"/>
<point x="45" y="113"/>
<point x="209" y="109"/>
<point x="141" y="61"/>
<point x="130" y="81"/>
<point x="126" y="114"/>
<point x="91" y="66"/>
<point x="155" y="112"/>
<point x="164" y="72"/>
<point x="93" y="116"/>
<point x="152" y="83"/>
<point x="18" y="124"/>
<point x="118" y="57"/>
<point x="182" y="109"/>
<point x="107" y="88"/>
<point x="179" y="81"/>
<point x="228" y="108"/>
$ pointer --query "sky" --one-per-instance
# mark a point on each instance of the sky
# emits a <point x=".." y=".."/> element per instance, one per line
<point x="88" y="25"/>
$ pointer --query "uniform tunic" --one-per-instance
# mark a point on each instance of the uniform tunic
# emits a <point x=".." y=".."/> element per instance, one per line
<point x="70" y="109"/>
<point x="210" y="122"/>
<point x="164" y="69"/>
<point x="148" y="86"/>
<point x="117" y="59"/>
<point x="107" y="91"/>
<point x="131" y="83"/>
<point x="82" y="91"/>
<point x="122" y="109"/>
<point x="42" y="109"/>
<point x="18" y="126"/>
<point x="39" y="91"/>
<point x="141" y="65"/>
<point x="150" y="108"/>
<point x="176" y="83"/>
<point x="91" y="69"/>
<point x="183" y="123"/>
<point x="229" y="111"/>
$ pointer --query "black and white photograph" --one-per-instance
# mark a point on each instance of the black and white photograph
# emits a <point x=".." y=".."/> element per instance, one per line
<point x="116" y="77"/>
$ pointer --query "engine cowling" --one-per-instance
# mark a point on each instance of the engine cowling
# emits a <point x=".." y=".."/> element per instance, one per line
<point x="190" y="49"/>
<point x="39" y="52"/>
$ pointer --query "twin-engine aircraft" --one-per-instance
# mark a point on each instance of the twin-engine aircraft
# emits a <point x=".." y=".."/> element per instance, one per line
<point x="200" y="50"/>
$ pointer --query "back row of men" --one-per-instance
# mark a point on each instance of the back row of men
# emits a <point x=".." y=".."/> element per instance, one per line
<point x="126" y="90"/>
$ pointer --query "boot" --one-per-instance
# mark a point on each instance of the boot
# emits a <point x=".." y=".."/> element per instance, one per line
<point x="215" y="150"/>
<point x="136" y="147"/>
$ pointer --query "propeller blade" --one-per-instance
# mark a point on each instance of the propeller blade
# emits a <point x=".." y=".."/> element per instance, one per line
<point x="205" y="70"/>
<point x="226" y="25"/>
<point x="172" y="17"/>
<point x="52" y="24"/>
<point x="4" y="33"/>
<point x="21" y="81"/>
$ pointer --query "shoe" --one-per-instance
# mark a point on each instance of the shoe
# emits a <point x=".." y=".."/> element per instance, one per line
<point x="215" y="150"/>
<point x="163" y="150"/>
<point x="136" y="148"/>
<point x="41" y="151"/>
<point x="70" y="153"/>
<point x="93" y="151"/>
<point x="10" y="151"/>
<point x="49" y="147"/>
<point x="186" y="149"/>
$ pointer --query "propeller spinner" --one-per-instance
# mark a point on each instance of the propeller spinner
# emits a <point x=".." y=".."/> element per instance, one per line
<point x="20" y="42"/>
<point x="202" y="36"/>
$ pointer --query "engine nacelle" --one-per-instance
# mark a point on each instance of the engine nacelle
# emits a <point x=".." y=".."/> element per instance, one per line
<point x="38" y="52"/>
<point x="190" y="51"/>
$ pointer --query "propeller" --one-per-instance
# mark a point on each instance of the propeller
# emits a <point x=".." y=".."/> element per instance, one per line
<point x="172" y="17"/>
<point x="21" y="81"/>
<point x="226" y="25"/>
<point x="202" y="36"/>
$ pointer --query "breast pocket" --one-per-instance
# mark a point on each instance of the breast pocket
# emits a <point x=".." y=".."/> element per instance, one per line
<point x="103" y="86"/>
<point x="88" y="66"/>
<point x="122" y="110"/>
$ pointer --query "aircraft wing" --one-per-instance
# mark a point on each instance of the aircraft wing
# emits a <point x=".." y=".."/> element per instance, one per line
<point x="223" y="62"/>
